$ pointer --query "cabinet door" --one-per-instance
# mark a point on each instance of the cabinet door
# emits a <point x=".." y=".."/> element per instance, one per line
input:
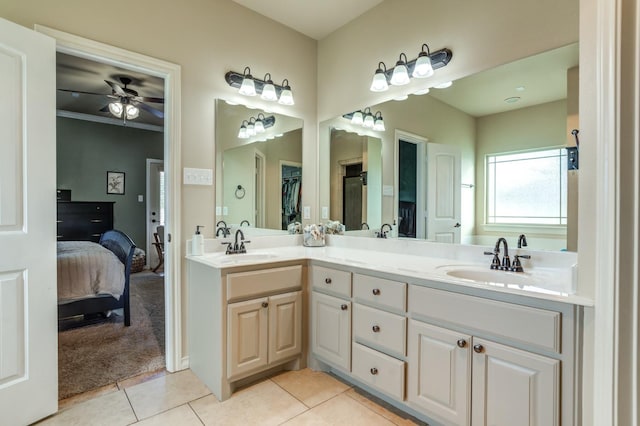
<point x="285" y="326"/>
<point x="246" y="336"/>
<point x="331" y="330"/>
<point x="439" y="379"/>
<point x="514" y="387"/>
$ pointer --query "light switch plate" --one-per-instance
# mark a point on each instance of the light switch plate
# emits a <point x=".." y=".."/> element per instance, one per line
<point x="325" y="212"/>
<point x="225" y="211"/>
<point x="387" y="190"/>
<point x="306" y="212"/>
<point x="198" y="176"/>
<point x="141" y="198"/>
<point x="218" y="210"/>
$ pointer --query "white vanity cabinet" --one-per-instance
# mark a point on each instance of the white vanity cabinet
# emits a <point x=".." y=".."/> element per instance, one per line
<point x="263" y="332"/>
<point x="331" y="316"/>
<point x="463" y="379"/>
<point x="243" y="321"/>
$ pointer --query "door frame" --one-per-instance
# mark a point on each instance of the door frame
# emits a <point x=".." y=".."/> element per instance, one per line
<point x="421" y="178"/>
<point x="149" y="244"/>
<point x="100" y="52"/>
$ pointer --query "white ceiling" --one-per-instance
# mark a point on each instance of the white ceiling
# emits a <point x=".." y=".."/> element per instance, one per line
<point x="314" y="18"/>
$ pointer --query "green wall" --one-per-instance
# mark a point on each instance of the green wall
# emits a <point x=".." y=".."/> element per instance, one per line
<point x="87" y="150"/>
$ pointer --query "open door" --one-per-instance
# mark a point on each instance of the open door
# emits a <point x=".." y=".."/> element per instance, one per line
<point x="28" y="308"/>
<point x="443" y="193"/>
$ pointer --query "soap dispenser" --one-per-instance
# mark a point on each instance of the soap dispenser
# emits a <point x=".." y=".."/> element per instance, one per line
<point x="197" y="243"/>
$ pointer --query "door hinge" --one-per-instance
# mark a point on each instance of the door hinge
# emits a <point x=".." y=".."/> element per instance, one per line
<point x="168" y="238"/>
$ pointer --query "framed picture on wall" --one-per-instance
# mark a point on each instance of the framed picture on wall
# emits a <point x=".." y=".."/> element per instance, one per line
<point x="115" y="183"/>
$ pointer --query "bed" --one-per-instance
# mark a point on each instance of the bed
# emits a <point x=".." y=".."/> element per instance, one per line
<point x="94" y="278"/>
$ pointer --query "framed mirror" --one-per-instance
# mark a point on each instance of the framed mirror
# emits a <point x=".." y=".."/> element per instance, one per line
<point x="258" y="173"/>
<point x="524" y="107"/>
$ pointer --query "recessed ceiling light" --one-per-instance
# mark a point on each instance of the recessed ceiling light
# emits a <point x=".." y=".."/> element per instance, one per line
<point x="443" y="85"/>
<point x="520" y="89"/>
<point x="421" y="92"/>
<point x="512" y="100"/>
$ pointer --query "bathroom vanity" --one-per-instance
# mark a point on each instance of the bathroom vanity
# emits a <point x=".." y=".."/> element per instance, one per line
<point x="435" y="333"/>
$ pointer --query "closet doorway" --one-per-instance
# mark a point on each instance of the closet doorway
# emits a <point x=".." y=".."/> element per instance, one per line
<point x="291" y="178"/>
<point x="352" y="184"/>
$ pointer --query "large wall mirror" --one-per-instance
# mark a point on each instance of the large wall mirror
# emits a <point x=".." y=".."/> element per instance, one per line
<point x="258" y="173"/>
<point x="492" y="127"/>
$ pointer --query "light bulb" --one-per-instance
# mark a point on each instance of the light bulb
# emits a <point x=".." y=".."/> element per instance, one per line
<point x="423" y="67"/>
<point x="242" y="134"/>
<point x="248" y="87"/>
<point x="115" y="108"/>
<point x="379" y="125"/>
<point x="269" y="92"/>
<point x="368" y="121"/>
<point x="357" y="118"/>
<point x="400" y="75"/>
<point x="132" y="112"/>
<point x="259" y="126"/>
<point x="286" y="97"/>
<point x="379" y="82"/>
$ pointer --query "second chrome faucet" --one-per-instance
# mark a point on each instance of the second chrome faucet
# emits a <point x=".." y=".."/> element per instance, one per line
<point x="506" y="265"/>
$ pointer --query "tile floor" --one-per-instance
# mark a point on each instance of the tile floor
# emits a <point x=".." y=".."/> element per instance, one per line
<point x="302" y="397"/>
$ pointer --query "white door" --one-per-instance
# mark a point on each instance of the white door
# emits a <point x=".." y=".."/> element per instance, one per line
<point x="512" y="387"/>
<point x="155" y="213"/>
<point x="28" y="308"/>
<point x="443" y="193"/>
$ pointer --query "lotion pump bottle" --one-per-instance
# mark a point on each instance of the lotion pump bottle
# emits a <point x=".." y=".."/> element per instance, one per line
<point x="197" y="243"/>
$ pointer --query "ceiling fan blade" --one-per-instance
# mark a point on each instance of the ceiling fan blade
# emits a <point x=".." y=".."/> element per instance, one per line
<point x="153" y="111"/>
<point x="105" y="108"/>
<point x="150" y="99"/>
<point x="117" y="89"/>
<point x="80" y="91"/>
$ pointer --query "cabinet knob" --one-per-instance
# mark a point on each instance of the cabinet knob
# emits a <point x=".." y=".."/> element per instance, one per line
<point x="327" y="280"/>
<point x="344" y="307"/>
<point x="462" y="343"/>
<point x="374" y="371"/>
<point x="376" y="328"/>
<point x="478" y="349"/>
<point x="265" y="304"/>
<point x="376" y="292"/>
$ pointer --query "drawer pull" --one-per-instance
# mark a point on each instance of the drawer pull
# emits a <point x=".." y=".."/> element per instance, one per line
<point x="96" y="220"/>
<point x="374" y="371"/>
<point x="376" y="292"/>
<point x="59" y="221"/>
<point x="327" y="280"/>
<point x="265" y="304"/>
<point x="478" y="349"/>
<point x="462" y="343"/>
<point x="344" y="307"/>
<point x="376" y="328"/>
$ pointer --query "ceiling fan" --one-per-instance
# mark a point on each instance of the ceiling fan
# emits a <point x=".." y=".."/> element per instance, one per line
<point x="126" y="102"/>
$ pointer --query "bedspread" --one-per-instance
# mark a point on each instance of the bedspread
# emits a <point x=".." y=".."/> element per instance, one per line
<point x="87" y="269"/>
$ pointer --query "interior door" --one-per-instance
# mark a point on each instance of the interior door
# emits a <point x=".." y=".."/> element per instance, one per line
<point x="28" y="308"/>
<point x="155" y="209"/>
<point x="443" y="193"/>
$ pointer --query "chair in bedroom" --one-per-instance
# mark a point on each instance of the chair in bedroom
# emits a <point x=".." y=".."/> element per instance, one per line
<point x="123" y="247"/>
<point x="158" y="238"/>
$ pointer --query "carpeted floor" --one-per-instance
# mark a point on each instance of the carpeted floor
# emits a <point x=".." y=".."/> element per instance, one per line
<point x="102" y="353"/>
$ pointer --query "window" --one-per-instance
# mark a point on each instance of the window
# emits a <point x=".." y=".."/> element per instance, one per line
<point x="527" y="187"/>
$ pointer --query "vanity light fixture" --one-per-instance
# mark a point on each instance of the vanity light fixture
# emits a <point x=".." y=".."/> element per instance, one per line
<point x="367" y="119"/>
<point x="250" y="86"/>
<point x="421" y="67"/>
<point x="254" y="126"/>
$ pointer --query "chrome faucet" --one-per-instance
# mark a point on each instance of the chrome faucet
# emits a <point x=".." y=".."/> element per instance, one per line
<point x="364" y="225"/>
<point x="224" y="229"/>
<point x="495" y="262"/>
<point x="248" y="224"/>
<point x="240" y="248"/>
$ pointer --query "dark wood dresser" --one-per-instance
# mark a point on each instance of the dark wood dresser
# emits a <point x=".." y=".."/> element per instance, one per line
<point x="84" y="220"/>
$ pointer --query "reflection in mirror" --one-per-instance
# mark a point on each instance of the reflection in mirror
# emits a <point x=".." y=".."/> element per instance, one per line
<point x="522" y="107"/>
<point x="356" y="180"/>
<point x="259" y="177"/>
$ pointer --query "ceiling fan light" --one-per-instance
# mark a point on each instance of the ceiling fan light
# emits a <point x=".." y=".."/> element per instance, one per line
<point x="357" y="118"/>
<point x="269" y="92"/>
<point x="115" y="108"/>
<point x="423" y="67"/>
<point x="132" y="112"/>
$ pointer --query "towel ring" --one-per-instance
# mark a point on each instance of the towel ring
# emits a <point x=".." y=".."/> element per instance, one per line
<point x="240" y="192"/>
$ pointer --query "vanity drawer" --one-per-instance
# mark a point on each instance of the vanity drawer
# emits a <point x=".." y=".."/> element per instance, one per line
<point x="379" y="371"/>
<point x="243" y="285"/>
<point x="380" y="291"/>
<point x="331" y="280"/>
<point x="532" y="326"/>
<point x="380" y="328"/>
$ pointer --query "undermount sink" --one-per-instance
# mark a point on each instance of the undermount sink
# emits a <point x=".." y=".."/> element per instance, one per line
<point x="493" y="276"/>
<point x="245" y="258"/>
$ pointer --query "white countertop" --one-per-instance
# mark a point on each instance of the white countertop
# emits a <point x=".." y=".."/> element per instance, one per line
<point x="551" y="277"/>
